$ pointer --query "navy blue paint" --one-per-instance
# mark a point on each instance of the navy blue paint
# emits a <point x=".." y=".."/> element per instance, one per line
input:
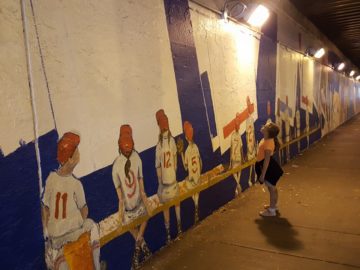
<point x="21" y="238"/>
<point x="209" y="104"/>
<point x="191" y="98"/>
<point x="266" y="74"/>
<point x="48" y="146"/>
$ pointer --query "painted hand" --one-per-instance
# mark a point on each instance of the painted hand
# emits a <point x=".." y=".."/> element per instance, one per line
<point x="148" y="207"/>
<point x="180" y="145"/>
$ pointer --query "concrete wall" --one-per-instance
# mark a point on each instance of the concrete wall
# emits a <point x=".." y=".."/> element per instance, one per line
<point x="95" y="66"/>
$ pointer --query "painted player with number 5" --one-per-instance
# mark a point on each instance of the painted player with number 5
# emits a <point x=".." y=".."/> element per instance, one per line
<point x="192" y="163"/>
<point x="250" y="142"/>
<point x="166" y="165"/>
<point x="65" y="213"/>
<point x="236" y="154"/>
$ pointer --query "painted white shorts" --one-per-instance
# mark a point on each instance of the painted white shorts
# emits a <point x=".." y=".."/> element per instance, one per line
<point x="54" y="256"/>
<point x="191" y="183"/>
<point x="168" y="192"/>
<point x="133" y="214"/>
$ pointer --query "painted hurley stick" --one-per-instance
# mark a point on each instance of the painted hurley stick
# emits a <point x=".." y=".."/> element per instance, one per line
<point x="241" y="117"/>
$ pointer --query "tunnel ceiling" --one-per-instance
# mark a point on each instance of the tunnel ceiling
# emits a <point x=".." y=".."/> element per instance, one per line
<point x="339" y="20"/>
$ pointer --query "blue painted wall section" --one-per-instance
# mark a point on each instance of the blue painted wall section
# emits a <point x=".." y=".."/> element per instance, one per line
<point x="266" y="74"/>
<point x="22" y="243"/>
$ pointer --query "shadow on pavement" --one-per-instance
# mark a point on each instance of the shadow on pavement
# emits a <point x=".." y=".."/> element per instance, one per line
<point x="279" y="233"/>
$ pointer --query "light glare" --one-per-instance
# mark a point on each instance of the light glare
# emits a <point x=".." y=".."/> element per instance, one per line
<point x="358" y="78"/>
<point x="352" y="73"/>
<point x="341" y="66"/>
<point x="259" y="16"/>
<point x="320" y="53"/>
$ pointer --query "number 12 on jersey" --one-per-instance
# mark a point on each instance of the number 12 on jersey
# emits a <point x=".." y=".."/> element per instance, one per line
<point x="167" y="157"/>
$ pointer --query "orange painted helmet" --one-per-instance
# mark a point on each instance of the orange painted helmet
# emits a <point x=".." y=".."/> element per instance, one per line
<point x="66" y="146"/>
<point x="162" y="120"/>
<point x="126" y="142"/>
<point x="188" y="130"/>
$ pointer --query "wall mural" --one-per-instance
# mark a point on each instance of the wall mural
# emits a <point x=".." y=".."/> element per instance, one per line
<point x="167" y="132"/>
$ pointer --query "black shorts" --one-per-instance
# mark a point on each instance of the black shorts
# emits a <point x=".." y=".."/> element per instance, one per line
<point x="273" y="172"/>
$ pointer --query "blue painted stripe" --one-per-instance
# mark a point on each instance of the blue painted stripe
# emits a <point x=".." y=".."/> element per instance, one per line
<point x="208" y="103"/>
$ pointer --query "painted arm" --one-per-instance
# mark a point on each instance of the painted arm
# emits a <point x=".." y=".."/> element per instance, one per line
<point x="143" y="196"/>
<point x="231" y="155"/>
<point x="158" y="172"/>
<point x="183" y="161"/>
<point x="84" y="212"/>
<point x="175" y="161"/>
<point x="242" y="154"/>
<point x="265" y="165"/>
<point x="45" y="213"/>
<point x="121" y="204"/>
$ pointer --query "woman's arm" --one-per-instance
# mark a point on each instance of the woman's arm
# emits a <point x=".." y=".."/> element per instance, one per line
<point x="265" y="165"/>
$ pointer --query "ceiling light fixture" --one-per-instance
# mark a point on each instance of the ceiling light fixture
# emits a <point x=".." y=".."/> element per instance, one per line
<point x="233" y="9"/>
<point x="341" y="66"/>
<point x="259" y="16"/>
<point x="358" y="78"/>
<point x="352" y="73"/>
<point x="319" y="53"/>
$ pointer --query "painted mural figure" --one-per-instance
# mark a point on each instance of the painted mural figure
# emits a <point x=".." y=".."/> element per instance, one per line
<point x="166" y="165"/>
<point x="307" y="125"/>
<point x="73" y="239"/>
<point x="287" y="129"/>
<point x="297" y="127"/>
<point x="129" y="184"/>
<point x="268" y="112"/>
<point x="336" y="112"/>
<point x="305" y="100"/>
<point x="251" y="143"/>
<point x="280" y="125"/>
<point x="193" y="164"/>
<point x="236" y="154"/>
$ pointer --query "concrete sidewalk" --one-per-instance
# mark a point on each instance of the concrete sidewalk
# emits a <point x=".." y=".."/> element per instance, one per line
<point x="318" y="226"/>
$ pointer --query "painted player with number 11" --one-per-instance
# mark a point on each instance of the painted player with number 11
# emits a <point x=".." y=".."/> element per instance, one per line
<point x="65" y="213"/>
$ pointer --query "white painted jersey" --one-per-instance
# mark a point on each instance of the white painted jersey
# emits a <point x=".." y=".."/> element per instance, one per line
<point x="280" y="125"/>
<point x="250" y="138"/>
<point x="297" y="116"/>
<point x="287" y="123"/>
<point x="236" y="144"/>
<point x="307" y="119"/>
<point x="65" y="197"/>
<point x="192" y="162"/>
<point x="166" y="158"/>
<point x="130" y="186"/>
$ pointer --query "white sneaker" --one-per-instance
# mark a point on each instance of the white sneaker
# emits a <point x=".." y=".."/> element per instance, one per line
<point x="266" y="206"/>
<point x="268" y="213"/>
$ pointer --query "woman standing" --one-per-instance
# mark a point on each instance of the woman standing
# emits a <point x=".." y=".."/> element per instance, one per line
<point x="267" y="169"/>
